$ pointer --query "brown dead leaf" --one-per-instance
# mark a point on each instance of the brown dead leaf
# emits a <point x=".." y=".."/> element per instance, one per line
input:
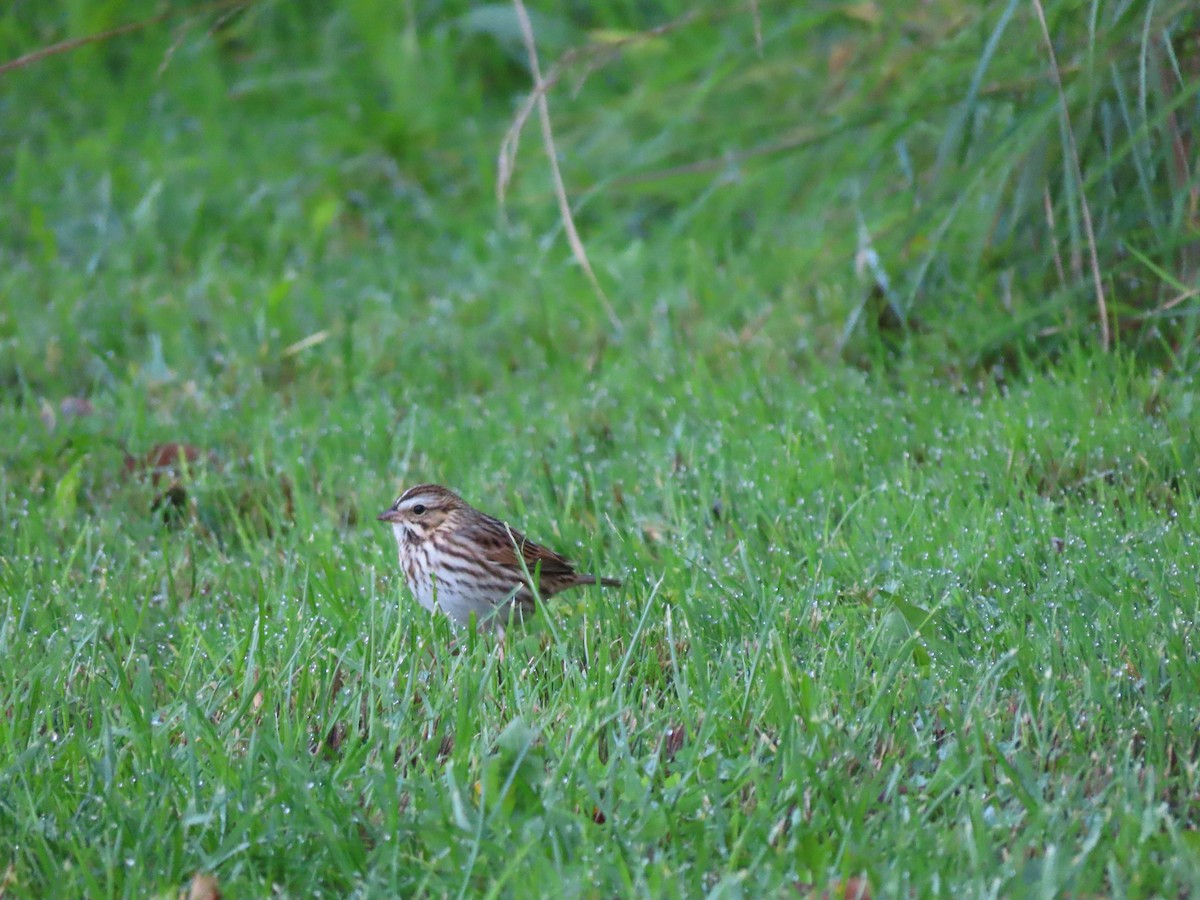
<point x="850" y="889"/>
<point x="172" y="503"/>
<point x="674" y="741"/>
<point x="289" y="499"/>
<point x="652" y="533"/>
<point x="618" y="495"/>
<point x="204" y="887"/>
<point x="169" y="459"/>
<point x="335" y="737"/>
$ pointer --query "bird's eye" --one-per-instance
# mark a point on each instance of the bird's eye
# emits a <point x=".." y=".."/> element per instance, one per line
<point x="419" y="509"/>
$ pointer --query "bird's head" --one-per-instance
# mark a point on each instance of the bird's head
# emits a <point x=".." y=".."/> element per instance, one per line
<point x="420" y="511"/>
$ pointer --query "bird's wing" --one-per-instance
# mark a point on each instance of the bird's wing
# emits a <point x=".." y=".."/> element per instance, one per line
<point x="505" y="552"/>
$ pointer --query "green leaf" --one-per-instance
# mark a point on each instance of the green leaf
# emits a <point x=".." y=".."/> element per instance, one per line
<point x="66" y="492"/>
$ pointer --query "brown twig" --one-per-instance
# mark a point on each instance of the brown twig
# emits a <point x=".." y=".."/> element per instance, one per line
<point x="596" y="56"/>
<point x="1048" y="204"/>
<point x="560" y="190"/>
<point x="41" y="53"/>
<point x="1173" y="302"/>
<point x="1101" y="304"/>
<point x="216" y="26"/>
<point x="67" y="46"/>
<point x="1181" y="156"/>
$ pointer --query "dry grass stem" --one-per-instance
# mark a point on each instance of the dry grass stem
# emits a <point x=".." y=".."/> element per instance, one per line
<point x="1101" y="304"/>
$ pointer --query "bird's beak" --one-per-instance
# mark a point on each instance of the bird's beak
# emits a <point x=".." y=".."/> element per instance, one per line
<point x="388" y="515"/>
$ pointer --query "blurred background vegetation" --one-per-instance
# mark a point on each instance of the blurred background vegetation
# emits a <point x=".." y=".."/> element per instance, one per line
<point x="827" y="173"/>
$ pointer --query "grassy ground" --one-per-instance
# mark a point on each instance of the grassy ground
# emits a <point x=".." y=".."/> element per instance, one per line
<point x="917" y="607"/>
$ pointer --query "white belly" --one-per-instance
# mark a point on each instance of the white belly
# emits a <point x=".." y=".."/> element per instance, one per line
<point x="460" y="604"/>
<point x="452" y="594"/>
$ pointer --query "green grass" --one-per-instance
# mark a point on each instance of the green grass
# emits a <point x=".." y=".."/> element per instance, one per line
<point x="916" y="605"/>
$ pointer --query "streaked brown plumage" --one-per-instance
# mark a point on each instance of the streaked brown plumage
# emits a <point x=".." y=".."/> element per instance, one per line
<point x="464" y="562"/>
